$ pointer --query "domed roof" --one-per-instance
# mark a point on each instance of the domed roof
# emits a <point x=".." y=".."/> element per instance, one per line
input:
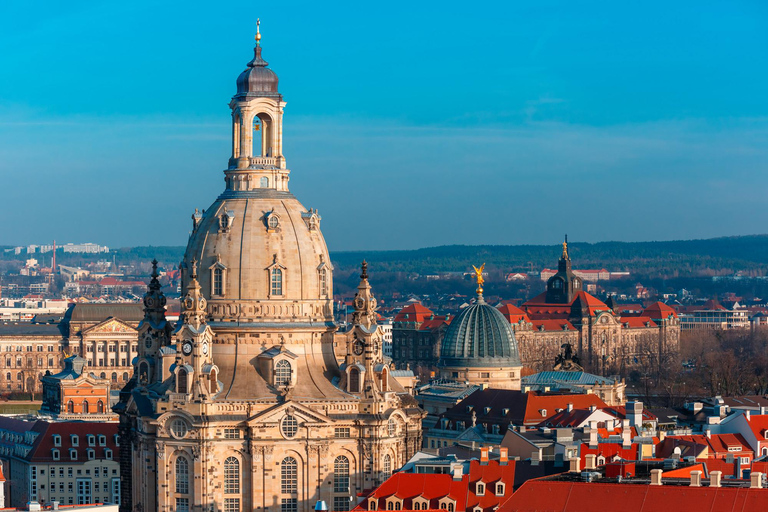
<point x="257" y="78"/>
<point x="479" y="336"/>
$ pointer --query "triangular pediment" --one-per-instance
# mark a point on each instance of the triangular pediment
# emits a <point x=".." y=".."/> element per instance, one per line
<point x="470" y="434"/>
<point x="303" y="414"/>
<point x="109" y="326"/>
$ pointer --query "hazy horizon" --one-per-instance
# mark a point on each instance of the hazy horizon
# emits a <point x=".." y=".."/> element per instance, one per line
<point x="440" y="127"/>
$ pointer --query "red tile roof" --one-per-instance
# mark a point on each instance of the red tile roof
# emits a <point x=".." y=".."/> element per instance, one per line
<point x="558" y="496"/>
<point x="609" y="451"/>
<point x="413" y="313"/>
<point x="553" y="325"/>
<point x="513" y="314"/>
<point x="684" y="472"/>
<point x="659" y="311"/>
<point x="540" y="407"/>
<point x="44" y="444"/>
<point x="433" y="487"/>
<point x="637" y="322"/>
<point x="539" y="306"/>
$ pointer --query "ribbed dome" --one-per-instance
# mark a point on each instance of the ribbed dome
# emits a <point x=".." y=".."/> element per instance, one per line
<point x="258" y="78"/>
<point x="479" y="336"/>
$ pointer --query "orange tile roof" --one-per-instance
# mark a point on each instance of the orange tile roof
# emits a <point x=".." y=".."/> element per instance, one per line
<point x="513" y="314"/>
<point x="539" y="306"/>
<point x="413" y="313"/>
<point x="659" y="311"/>
<point x="559" y="496"/>
<point x="553" y="325"/>
<point x="684" y="472"/>
<point x="540" y="407"/>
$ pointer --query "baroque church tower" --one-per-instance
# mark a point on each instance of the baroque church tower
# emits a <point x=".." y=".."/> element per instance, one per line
<point x="244" y="406"/>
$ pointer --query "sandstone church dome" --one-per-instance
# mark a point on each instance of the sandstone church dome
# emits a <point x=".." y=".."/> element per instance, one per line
<point x="479" y="336"/>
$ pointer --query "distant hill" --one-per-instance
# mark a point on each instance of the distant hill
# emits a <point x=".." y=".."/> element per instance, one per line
<point x="714" y="256"/>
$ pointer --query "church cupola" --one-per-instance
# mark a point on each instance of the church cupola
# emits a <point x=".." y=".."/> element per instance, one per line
<point x="257" y="131"/>
<point x="563" y="286"/>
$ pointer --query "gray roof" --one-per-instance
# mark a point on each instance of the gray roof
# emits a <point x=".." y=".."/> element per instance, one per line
<point x="30" y="329"/>
<point x="479" y="336"/>
<point x="127" y="312"/>
<point x="554" y="379"/>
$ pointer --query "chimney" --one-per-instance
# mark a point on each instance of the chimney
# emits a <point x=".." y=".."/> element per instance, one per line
<point x="484" y="456"/>
<point x="695" y="478"/>
<point x="655" y="477"/>
<point x="714" y="478"/>
<point x="746" y="415"/>
<point x="593" y="438"/>
<point x="575" y="465"/>
<point x="709" y="434"/>
<point x="589" y="462"/>
<point x="458" y="471"/>
<point x="570" y="407"/>
<point x="503" y="455"/>
<point x="762" y="410"/>
<point x="626" y="437"/>
<point x="635" y="414"/>
<point x="756" y="480"/>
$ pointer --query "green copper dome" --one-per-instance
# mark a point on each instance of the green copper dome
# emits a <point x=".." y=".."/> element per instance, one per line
<point x="479" y="336"/>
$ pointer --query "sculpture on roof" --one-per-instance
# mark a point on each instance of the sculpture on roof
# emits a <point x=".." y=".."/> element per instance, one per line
<point x="479" y="278"/>
<point x="567" y="361"/>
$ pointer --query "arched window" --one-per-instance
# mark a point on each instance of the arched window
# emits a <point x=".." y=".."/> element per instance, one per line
<point x="100" y="407"/>
<point x="283" y="373"/>
<point x="114" y="377"/>
<point x="341" y="474"/>
<point x="264" y="182"/>
<point x="182" y="475"/>
<point x="288" y="476"/>
<point x="399" y="506"/>
<point x="103" y="375"/>
<point x="218" y="281"/>
<point x="391" y="427"/>
<point x="231" y="476"/>
<point x="323" y="281"/>
<point x="390" y="506"/>
<point x="8" y="376"/>
<point x="354" y="380"/>
<point x="214" y="383"/>
<point x="125" y="376"/>
<point x="85" y="407"/>
<point x="276" y="281"/>
<point x="71" y="407"/>
<point x="387" y="466"/>
<point x="258" y="130"/>
<point x="236" y="135"/>
<point x="450" y="507"/>
<point x="182" y="381"/>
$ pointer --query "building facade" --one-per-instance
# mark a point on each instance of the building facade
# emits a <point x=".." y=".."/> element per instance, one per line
<point x="104" y="335"/>
<point x="243" y="406"/>
<point x="75" y="394"/>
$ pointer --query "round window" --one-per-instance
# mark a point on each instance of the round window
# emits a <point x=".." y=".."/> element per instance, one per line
<point x="273" y="221"/>
<point x="179" y="428"/>
<point x="289" y="426"/>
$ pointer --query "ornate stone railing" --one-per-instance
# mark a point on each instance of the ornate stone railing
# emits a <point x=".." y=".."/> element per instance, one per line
<point x="260" y="161"/>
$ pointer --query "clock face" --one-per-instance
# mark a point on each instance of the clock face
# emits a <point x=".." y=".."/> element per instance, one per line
<point x="186" y="348"/>
<point x="358" y="347"/>
<point x="205" y="348"/>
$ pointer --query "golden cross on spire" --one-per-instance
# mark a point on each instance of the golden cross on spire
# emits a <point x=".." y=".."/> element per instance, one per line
<point x="258" y="34"/>
<point x="479" y="278"/>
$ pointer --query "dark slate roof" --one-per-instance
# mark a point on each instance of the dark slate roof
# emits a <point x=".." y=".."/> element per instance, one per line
<point x="30" y="329"/>
<point x="480" y="336"/>
<point x="127" y="312"/>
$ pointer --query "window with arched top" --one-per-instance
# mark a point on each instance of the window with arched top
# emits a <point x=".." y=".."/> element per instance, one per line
<point x="114" y="377"/>
<point x="258" y="130"/>
<point x="182" y="475"/>
<point x="218" y="281"/>
<point x="182" y="379"/>
<point x="125" y="376"/>
<point x="398" y="505"/>
<point x="232" y="476"/>
<point x="391" y="427"/>
<point x="100" y="407"/>
<point x="288" y="476"/>
<point x="214" y="381"/>
<point x="387" y="466"/>
<point x="341" y="474"/>
<point x="70" y="407"/>
<point x="354" y="380"/>
<point x="276" y="281"/>
<point x="86" y="408"/>
<point x="283" y="372"/>
<point x="264" y="182"/>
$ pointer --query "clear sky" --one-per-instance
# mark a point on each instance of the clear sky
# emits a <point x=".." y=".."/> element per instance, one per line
<point x="409" y="124"/>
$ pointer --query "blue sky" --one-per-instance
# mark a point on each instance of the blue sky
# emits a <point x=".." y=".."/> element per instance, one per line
<point x="408" y="124"/>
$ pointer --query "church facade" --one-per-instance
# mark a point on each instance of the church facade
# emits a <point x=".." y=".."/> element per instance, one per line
<point x="243" y="405"/>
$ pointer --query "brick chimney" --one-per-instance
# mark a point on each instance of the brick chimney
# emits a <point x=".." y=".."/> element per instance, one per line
<point x="656" y="477"/>
<point x="590" y="461"/>
<point x="575" y="465"/>
<point x="484" y="456"/>
<point x="714" y="478"/>
<point x="756" y="480"/>
<point x="503" y="455"/>
<point x="695" y="478"/>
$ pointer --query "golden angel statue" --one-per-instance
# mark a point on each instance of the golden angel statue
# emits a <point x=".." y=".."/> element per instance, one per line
<point x="479" y="277"/>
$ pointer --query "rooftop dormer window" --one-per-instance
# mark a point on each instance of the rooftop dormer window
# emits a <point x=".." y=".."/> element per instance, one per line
<point x="91" y="440"/>
<point x="75" y="439"/>
<point x="56" y="440"/>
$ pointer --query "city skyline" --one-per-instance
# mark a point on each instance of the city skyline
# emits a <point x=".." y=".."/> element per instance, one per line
<point x="466" y="124"/>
